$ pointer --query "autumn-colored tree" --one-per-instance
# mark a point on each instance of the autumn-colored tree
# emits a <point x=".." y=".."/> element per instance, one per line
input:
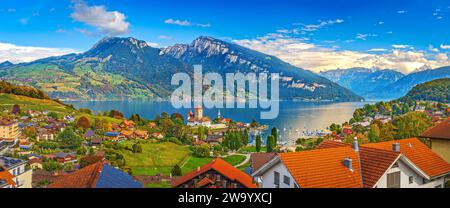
<point x="83" y="122"/>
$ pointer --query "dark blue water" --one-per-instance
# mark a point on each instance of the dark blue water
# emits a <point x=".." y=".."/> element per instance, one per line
<point x="294" y="116"/>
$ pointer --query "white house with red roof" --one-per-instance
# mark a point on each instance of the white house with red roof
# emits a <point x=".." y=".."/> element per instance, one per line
<point x="406" y="163"/>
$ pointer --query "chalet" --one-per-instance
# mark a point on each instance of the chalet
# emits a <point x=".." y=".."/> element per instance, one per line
<point x="157" y="135"/>
<point x="35" y="163"/>
<point x="141" y="134"/>
<point x="126" y="124"/>
<point x="406" y="163"/>
<point x="97" y="175"/>
<point x="44" y="135"/>
<point x="65" y="158"/>
<point x="89" y="134"/>
<point x="197" y="118"/>
<point x="257" y="160"/>
<point x="215" y="174"/>
<point x="126" y="134"/>
<point x="439" y="136"/>
<point x="25" y="145"/>
<point x="347" y="129"/>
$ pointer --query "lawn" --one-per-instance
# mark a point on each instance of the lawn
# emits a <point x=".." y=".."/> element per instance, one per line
<point x="249" y="149"/>
<point x="163" y="184"/>
<point x="155" y="157"/>
<point x="234" y="159"/>
<point x="194" y="162"/>
<point x="25" y="103"/>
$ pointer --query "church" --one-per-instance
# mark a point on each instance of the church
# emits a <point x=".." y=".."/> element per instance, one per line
<point x="197" y="118"/>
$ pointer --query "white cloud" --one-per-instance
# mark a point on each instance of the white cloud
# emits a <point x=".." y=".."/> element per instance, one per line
<point x="17" y="54"/>
<point x="317" y="58"/>
<point x="402" y="12"/>
<point x="321" y="24"/>
<point x="24" y="21"/>
<point x="377" y="50"/>
<point x="364" y="36"/>
<point x="177" y="22"/>
<point x="185" y="23"/>
<point x="432" y="48"/>
<point x="109" y="22"/>
<point x="399" y="46"/>
<point x="380" y="22"/>
<point x="443" y="46"/>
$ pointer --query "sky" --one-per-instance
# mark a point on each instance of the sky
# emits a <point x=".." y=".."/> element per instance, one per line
<point x="318" y="35"/>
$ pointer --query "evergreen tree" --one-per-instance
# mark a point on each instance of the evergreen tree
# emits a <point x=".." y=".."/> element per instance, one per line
<point x="258" y="143"/>
<point x="176" y="171"/>
<point x="269" y="143"/>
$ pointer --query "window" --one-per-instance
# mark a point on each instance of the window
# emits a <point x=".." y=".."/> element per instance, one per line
<point x="276" y="178"/>
<point x="286" y="180"/>
<point x="411" y="179"/>
<point x="393" y="180"/>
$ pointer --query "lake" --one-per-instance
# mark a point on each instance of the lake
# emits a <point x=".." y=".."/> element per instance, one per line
<point x="294" y="116"/>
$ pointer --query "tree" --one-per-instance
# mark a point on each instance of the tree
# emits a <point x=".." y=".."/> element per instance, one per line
<point x="336" y="128"/>
<point x="258" y="143"/>
<point x="176" y="170"/>
<point x="201" y="150"/>
<point x="245" y="137"/>
<point x="69" y="139"/>
<point x="136" y="148"/>
<point x="269" y="143"/>
<point x="53" y="115"/>
<point x="83" y="123"/>
<point x="411" y="124"/>
<point x="374" y="133"/>
<point x="274" y="133"/>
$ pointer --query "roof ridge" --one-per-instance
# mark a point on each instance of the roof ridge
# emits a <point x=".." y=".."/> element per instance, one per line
<point x="95" y="176"/>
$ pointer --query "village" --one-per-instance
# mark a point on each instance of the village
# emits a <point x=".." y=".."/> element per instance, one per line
<point x="45" y="149"/>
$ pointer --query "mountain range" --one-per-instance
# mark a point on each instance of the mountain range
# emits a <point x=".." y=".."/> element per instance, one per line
<point x="126" y="68"/>
<point x="363" y="81"/>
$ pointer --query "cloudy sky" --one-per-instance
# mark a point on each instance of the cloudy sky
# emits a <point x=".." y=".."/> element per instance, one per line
<point x="405" y="35"/>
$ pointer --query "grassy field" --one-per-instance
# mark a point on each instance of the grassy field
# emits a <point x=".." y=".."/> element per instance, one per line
<point x="249" y="149"/>
<point x="194" y="162"/>
<point x="26" y="103"/>
<point x="155" y="157"/>
<point x="234" y="159"/>
<point x="163" y="184"/>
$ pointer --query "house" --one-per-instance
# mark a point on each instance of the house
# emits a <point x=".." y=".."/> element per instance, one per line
<point x="89" y="134"/>
<point x="97" y="175"/>
<point x="9" y="129"/>
<point x="44" y="134"/>
<point x="35" y="163"/>
<point x="112" y="135"/>
<point x="215" y="174"/>
<point x="25" y="145"/>
<point x="157" y="135"/>
<point x="347" y="129"/>
<point x="127" y="134"/>
<point x="65" y="158"/>
<point x="126" y="124"/>
<point x="214" y="139"/>
<point x="96" y="141"/>
<point x="141" y="134"/>
<point x="6" y="178"/>
<point x="439" y="136"/>
<point x="406" y="163"/>
<point x="257" y="160"/>
<point x="17" y="168"/>
<point x="197" y="118"/>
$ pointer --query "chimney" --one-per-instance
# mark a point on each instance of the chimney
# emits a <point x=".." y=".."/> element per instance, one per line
<point x="348" y="163"/>
<point x="396" y="147"/>
<point x="355" y="144"/>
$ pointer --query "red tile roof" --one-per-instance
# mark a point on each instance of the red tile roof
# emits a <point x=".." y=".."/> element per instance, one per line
<point x="440" y="131"/>
<point x="6" y="176"/>
<point x="323" y="168"/>
<point x="257" y="160"/>
<point x="205" y="181"/>
<point x="374" y="163"/>
<point x="417" y="152"/>
<point x="331" y="144"/>
<point x="83" y="178"/>
<point x="221" y="167"/>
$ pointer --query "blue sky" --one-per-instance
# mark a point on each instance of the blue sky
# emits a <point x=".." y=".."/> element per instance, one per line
<point x="406" y="35"/>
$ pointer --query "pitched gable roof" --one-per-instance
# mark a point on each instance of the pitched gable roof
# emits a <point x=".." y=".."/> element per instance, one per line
<point x="6" y="177"/>
<point x="374" y="163"/>
<point x="330" y="144"/>
<point x="97" y="175"/>
<point x="440" y="131"/>
<point x="417" y="152"/>
<point x="221" y="167"/>
<point x="323" y="168"/>
<point x="257" y="160"/>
